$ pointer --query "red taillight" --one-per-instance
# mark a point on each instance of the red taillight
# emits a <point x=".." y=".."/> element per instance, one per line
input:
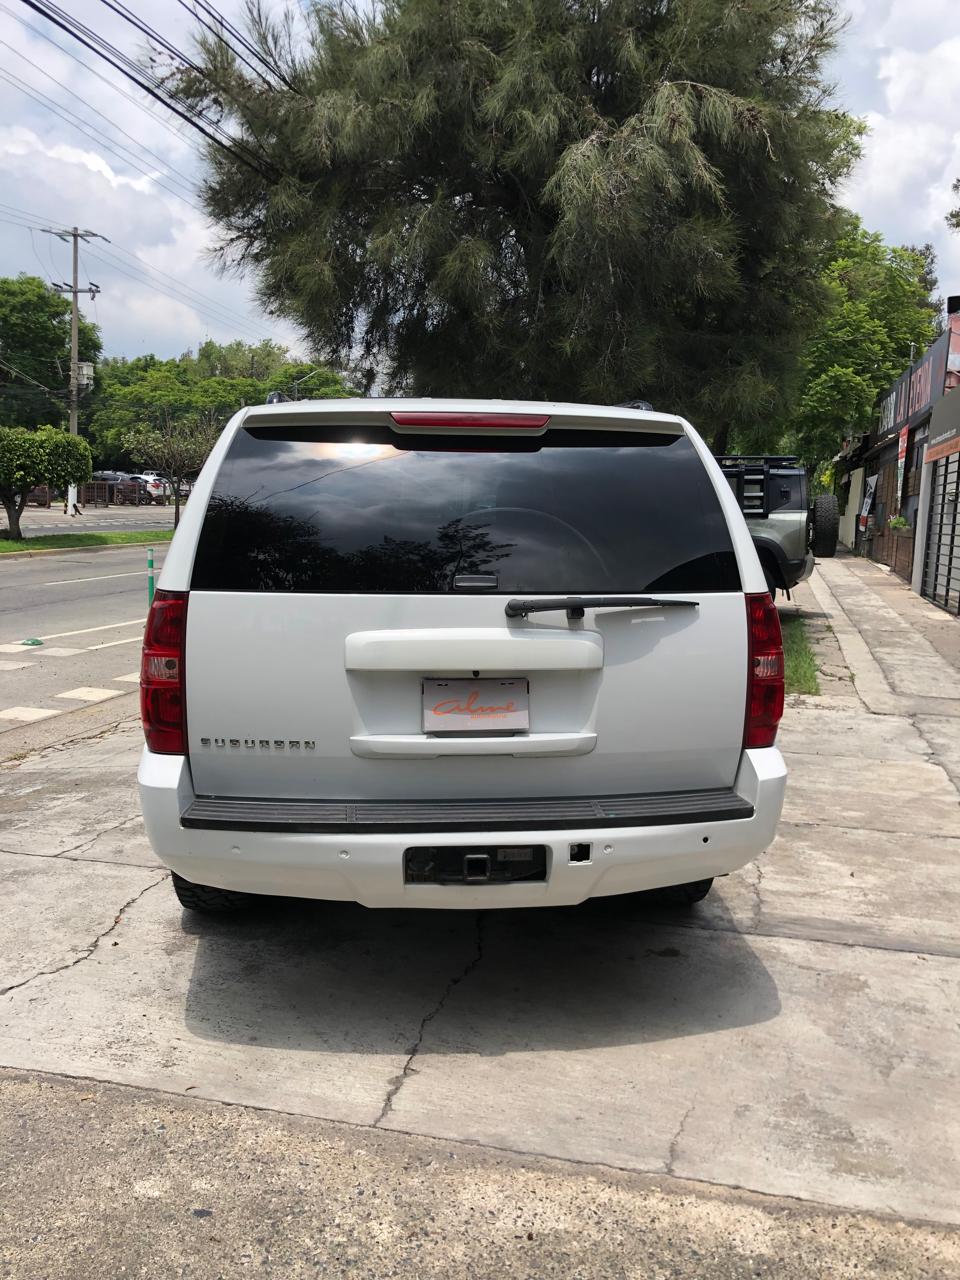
<point x="765" y="672"/>
<point x="162" y="700"/>
<point x="471" y="421"/>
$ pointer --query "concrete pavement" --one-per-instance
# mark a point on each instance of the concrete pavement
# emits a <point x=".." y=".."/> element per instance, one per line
<point x="796" y="1037"/>
<point x="156" y="1186"/>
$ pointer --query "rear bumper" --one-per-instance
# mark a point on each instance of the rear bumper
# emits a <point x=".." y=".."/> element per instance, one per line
<point x="367" y="866"/>
<point x="795" y="571"/>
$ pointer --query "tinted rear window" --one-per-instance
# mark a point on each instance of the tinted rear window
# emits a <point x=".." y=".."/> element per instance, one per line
<point x="357" y="510"/>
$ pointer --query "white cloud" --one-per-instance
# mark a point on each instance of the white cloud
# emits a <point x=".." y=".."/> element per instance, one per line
<point x="60" y="174"/>
<point x="899" y="68"/>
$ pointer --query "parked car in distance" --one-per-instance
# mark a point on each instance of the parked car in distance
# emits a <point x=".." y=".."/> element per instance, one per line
<point x="459" y="653"/>
<point x="788" y="530"/>
<point x="158" y="489"/>
<point x="133" y="491"/>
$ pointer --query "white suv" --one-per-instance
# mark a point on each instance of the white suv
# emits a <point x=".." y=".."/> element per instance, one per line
<point x="437" y="653"/>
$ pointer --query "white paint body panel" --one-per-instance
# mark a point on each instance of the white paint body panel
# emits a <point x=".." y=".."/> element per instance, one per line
<point x="368" y="868"/>
<point x="620" y="701"/>
<point x="666" y="707"/>
<point x="498" y="649"/>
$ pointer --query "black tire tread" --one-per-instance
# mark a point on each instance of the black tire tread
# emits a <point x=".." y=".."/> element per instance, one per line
<point x="826" y="525"/>
<point x="207" y="899"/>
<point x="685" y="895"/>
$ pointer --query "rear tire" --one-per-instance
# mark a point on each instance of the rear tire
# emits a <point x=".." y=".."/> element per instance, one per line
<point x="685" y="895"/>
<point x="826" y="525"/>
<point x="209" y="900"/>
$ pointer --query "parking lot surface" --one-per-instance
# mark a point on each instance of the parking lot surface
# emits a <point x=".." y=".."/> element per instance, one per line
<point x="796" y="1037"/>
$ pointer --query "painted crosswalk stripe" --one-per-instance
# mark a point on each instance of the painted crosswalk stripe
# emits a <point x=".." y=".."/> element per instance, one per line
<point x="14" y="666"/>
<point x="100" y="577"/>
<point x="27" y="713"/>
<point x="132" y="678"/>
<point x="86" y="693"/>
<point x="56" y="651"/>
<point x="112" y="644"/>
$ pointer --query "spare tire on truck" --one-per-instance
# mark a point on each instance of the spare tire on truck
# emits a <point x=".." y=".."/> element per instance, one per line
<point x="825" y="522"/>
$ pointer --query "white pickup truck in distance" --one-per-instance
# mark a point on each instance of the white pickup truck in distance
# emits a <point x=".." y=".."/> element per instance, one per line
<point x="450" y="653"/>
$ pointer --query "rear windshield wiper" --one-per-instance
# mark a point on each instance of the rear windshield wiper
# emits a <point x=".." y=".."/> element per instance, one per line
<point x="575" y="605"/>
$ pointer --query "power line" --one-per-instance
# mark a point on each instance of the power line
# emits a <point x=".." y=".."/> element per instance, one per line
<point x="183" y="179"/>
<point x="128" y="15"/>
<point x="218" y="35"/>
<point x="26" y="377"/>
<point x="152" y="85"/>
<point x="141" y="106"/>
<point x="200" y="300"/>
<point x="140" y="277"/>
<point x="197" y="299"/>
<point x="90" y="131"/>
<point x="33" y="246"/>
<point x="242" y="40"/>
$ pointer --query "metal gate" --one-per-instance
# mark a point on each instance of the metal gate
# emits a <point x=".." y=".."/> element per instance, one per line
<point x="941" y="567"/>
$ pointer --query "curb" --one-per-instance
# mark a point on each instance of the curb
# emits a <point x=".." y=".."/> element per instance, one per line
<point x="65" y="551"/>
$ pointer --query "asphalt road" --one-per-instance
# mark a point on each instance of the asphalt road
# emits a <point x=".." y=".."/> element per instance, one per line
<point x="88" y="608"/>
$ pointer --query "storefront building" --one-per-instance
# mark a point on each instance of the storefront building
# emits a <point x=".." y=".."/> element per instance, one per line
<point x="937" y="568"/>
<point x="896" y="458"/>
<point x="896" y="482"/>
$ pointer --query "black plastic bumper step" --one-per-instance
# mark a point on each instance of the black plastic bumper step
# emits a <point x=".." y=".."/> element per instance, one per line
<point x="666" y="808"/>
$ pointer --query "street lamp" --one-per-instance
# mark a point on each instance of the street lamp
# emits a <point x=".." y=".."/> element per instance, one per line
<point x="306" y="378"/>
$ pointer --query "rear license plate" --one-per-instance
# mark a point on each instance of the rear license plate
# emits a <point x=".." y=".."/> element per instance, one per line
<point x="476" y="706"/>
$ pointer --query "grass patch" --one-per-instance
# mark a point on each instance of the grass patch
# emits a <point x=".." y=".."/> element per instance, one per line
<point x="801" y="666"/>
<point x="132" y="536"/>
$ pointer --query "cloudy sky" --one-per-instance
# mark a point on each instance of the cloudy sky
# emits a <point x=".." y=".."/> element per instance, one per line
<point x="898" y="67"/>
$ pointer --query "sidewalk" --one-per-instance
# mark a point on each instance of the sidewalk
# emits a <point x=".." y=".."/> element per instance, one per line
<point x="901" y="652"/>
<point x="766" y="1087"/>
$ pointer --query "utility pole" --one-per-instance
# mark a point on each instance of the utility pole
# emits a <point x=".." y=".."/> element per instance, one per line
<point x="76" y="235"/>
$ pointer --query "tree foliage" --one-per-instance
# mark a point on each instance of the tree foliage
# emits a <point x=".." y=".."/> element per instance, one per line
<point x="28" y="458"/>
<point x="35" y="348"/>
<point x="545" y="198"/>
<point x="175" y="445"/>
<point x="879" y="315"/>
<point x="953" y="217"/>
<point x="203" y="389"/>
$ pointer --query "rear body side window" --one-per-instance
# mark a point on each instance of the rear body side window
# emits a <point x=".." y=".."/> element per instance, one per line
<point x="361" y="510"/>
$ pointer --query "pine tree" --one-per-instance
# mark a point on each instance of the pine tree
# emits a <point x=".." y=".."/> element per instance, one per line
<point x="540" y="198"/>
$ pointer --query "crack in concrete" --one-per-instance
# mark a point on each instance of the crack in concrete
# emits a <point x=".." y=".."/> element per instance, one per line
<point x="881" y="831"/>
<point x="63" y="857"/>
<point x="13" y="762"/>
<point x="398" y="1081"/>
<point x="757" y="887"/>
<point x="88" y="843"/>
<point x="674" y="1149"/>
<point x="812" y="940"/>
<point x="87" y="951"/>
<point x="933" y="754"/>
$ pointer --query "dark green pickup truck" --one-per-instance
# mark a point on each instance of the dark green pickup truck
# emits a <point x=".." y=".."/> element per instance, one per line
<point x="787" y="529"/>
